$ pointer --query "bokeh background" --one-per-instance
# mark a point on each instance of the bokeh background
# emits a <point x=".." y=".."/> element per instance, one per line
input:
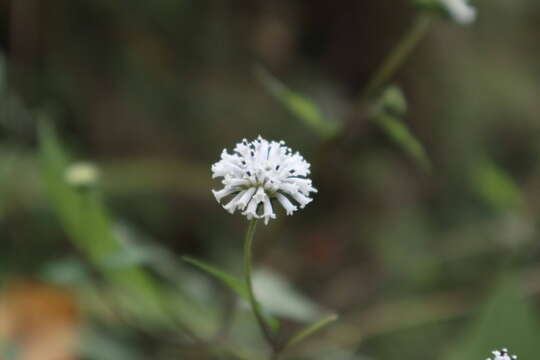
<point x="423" y="235"/>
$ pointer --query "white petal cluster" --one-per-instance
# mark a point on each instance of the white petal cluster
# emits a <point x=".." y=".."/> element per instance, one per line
<point x="259" y="171"/>
<point x="502" y="355"/>
<point x="460" y="10"/>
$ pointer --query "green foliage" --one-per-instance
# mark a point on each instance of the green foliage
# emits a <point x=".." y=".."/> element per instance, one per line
<point x="495" y="185"/>
<point x="432" y="7"/>
<point x="96" y="345"/>
<point x="280" y="298"/>
<point x="268" y="288"/>
<point x="388" y="115"/>
<point x="299" y="105"/>
<point x="156" y="89"/>
<point x="393" y="101"/>
<point x="88" y="225"/>
<point x="312" y="329"/>
<point x="506" y="320"/>
<point x="234" y="283"/>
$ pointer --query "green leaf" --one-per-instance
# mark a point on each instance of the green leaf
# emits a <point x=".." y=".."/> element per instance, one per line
<point x="299" y="105"/>
<point x="433" y="8"/>
<point x="506" y="320"/>
<point x="495" y="185"/>
<point x="96" y="345"/>
<point x="388" y="116"/>
<point x="237" y="285"/>
<point x="401" y="135"/>
<point x="87" y="223"/>
<point x="279" y="298"/>
<point x="394" y="102"/>
<point x="333" y="352"/>
<point x="81" y="211"/>
<point x="54" y="162"/>
<point x="68" y="272"/>
<point x="312" y="329"/>
<point x="428" y="5"/>
<point x="234" y="283"/>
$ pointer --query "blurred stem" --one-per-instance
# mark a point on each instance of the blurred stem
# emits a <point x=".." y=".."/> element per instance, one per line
<point x="399" y="55"/>
<point x="248" y="251"/>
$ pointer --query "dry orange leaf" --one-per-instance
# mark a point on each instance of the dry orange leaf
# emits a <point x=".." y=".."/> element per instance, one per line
<point x="40" y="321"/>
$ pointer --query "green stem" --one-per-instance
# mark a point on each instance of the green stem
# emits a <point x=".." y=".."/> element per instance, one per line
<point x="399" y="55"/>
<point x="248" y="250"/>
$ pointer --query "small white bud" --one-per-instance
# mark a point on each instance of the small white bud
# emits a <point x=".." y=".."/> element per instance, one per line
<point x="460" y="11"/>
<point x="82" y="174"/>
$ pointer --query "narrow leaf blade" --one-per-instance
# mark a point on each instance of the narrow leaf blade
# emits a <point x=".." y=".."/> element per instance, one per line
<point x="401" y="135"/>
<point x="229" y="280"/>
<point x="389" y="113"/>
<point x="495" y="185"/>
<point x="298" y="105"/>
<point x="86" y="221"/>
<point x="312" y="329"/>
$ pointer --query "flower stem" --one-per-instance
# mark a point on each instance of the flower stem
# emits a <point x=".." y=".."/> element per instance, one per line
<point x="255" y="307"/>
<point x="399" y="55"/>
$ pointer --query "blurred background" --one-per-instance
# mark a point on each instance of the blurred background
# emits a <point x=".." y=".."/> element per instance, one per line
<point x="423" y="236"/>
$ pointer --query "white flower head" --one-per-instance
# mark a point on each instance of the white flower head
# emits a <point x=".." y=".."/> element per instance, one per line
<point x="502" y="355"/>
<point x="461" y="11"/>
<point x="260" y="171"/>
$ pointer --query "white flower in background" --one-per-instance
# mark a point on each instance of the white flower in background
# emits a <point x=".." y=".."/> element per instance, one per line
<point x="502" y="355"/>
<point x="257" y="172"/>
<point x="460" y="10"/>
<point x="82" y="174"/>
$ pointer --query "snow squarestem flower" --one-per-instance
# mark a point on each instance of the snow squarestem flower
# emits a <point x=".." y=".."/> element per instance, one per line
<point x="260" y="171"/>
<point x="254" y="174"/>
<point x="502" y="354"/>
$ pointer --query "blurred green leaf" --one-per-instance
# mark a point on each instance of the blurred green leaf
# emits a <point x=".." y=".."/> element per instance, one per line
<point x="394" y="102"/>
<point x="66" y="272"/>
<point x="86" y="221"/>
<point x="495" y="185"/>
<point x="312" y="329"/>
<point x="506" y="320"/>
<point x="388" y="116"/>
<point x="432" y="6"/>
<point x="334" y="353"/>
<point x="277" y="296"/>
<point x="234" y="283"/>
<point x="54" y="162"/>
<point x="299" y="105"/>
<point x="238" y="286"/>
<point x="96" y="345"/>
<point x="80" y="211"/>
